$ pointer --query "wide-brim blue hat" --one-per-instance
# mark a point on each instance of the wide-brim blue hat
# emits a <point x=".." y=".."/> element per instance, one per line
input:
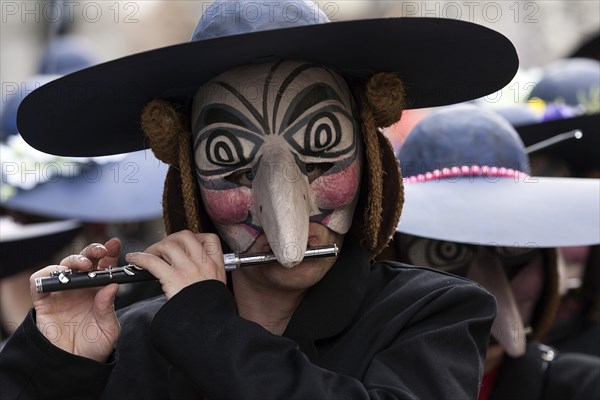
<point x="571" y="81"/>
<point x="467" y="180"/>
<point x="116" y="189"/>
<point x="25" y="246"/>
<point x="441" y="61"/>
<point x="65" y="54"/>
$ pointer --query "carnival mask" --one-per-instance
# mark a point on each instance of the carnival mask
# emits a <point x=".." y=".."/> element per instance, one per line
<point x="514" y="275"/>
<point x="276" y="146"/>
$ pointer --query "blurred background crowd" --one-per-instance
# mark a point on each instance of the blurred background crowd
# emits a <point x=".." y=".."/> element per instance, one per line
<point x="542" y="32"/>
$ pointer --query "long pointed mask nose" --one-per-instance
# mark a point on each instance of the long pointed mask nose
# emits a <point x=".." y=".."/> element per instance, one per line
<point x="508" y="327"/>
<point x="281" y="202"/>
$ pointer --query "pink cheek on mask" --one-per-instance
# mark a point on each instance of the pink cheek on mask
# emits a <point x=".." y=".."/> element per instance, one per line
<point x="229" y="206"/>
<point x="338" y="189"/>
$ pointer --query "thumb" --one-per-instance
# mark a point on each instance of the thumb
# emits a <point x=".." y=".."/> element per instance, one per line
<point x="104" y="303"/>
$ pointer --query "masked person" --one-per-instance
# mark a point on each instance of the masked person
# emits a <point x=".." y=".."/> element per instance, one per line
<point x="473" y="210"/>
<point x="567" y="98"/>
<point x="273" y="152"/>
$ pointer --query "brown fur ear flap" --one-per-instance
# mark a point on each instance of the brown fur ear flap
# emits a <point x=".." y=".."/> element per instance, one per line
<point x="174" y="213"/>
<point x="385" y="95"/>
<point x="392" y="195"/>
<point x="173" y="209"/>
<point x="171" y="141"/>
<point x="381" y="103"/>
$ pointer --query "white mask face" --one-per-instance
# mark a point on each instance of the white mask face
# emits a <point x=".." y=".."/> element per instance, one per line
<point x="277" y="146"/>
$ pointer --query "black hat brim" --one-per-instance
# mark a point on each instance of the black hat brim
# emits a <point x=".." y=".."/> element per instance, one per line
<point x="581" y="155"/>
<point x="97" y="111"/>
<point x="35" y="244"/>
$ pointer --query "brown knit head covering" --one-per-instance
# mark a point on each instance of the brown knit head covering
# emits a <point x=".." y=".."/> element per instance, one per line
<point x="380" y="104"/>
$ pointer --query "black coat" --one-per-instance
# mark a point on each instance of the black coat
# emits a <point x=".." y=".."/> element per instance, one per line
<point x="544" y="374"/>
<point x="381" y="331"/>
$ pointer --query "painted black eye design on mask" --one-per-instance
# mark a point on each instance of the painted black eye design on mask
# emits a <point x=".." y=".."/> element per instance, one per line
<point x="442" y="255"/>
<point x="448" y="256"/>
<point x="226" y="150"/>
<point x="317" y="118"/>
<point x="322" y="133"/>
<point x="227" y="140"/>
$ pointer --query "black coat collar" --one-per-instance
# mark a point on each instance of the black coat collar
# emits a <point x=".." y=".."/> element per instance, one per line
<point x="342" y="289"/>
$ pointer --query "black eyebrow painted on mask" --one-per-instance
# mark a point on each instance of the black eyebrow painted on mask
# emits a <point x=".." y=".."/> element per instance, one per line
<point x="288" y="81"/>
<point x="307" y="98"/>
<point x="222" y="113"/>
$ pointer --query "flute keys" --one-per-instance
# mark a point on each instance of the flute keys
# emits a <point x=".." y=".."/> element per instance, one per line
<point x="62" y="275"/>
<point x="128" y="272"/>
<point x="63" y="278"/>
<point x="60" y="271"/>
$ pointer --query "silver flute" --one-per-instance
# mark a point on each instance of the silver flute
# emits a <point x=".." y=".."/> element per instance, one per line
<point x="68" y="280"/>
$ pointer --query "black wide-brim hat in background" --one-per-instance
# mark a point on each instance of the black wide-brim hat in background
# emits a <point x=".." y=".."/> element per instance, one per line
<point x="571" y="83"/>
<point x="28" y="245"/>
<point x="581" y="155"/>
<point x="441" y="61"/>
<point x="573" y="140"/>
<point x="589" y="47"/>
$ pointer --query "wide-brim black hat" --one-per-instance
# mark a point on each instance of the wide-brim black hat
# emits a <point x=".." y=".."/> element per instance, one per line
<point x="440" y="61"/>
<point x="589" y="47"/>
<point x="582" y="155"/>
<point x="570" y="139"/>
<point x="25" y="246"/>
<point x="568" y="93"/>
<point x="113" y="189"/>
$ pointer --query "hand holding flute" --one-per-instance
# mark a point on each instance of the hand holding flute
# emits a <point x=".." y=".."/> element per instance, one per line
<point x="68" y="280"/>
<point x="86" y="313"/>
<point x="177" y="261"/>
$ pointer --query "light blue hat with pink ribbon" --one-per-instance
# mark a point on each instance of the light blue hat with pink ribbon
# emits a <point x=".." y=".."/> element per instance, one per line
<point x="467" y="180"/>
